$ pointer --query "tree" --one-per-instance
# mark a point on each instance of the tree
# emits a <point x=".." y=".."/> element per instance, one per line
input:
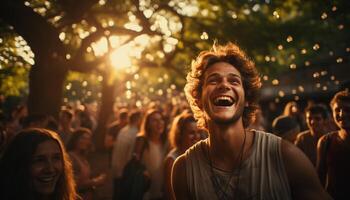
<point x="65" y="34"/>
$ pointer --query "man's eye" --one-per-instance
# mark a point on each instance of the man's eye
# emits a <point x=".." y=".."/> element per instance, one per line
<point x="234" y="81"/>
<point x="212" y="80"/>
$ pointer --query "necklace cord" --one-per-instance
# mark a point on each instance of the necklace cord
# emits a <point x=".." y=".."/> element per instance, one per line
<point x="215" y="181"/>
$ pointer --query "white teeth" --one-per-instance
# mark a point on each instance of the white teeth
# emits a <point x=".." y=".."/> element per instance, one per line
<point x="47" y="179"/>
<point x="223" y="98"/>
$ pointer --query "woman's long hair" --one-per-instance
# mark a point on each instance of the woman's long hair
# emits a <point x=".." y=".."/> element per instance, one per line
<point x="15" y="178"/>
<point x="145" y="129"/>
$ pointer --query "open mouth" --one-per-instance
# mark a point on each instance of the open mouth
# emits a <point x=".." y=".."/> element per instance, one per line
<point x="47" y="179"/>
<point x="223" y="101"/>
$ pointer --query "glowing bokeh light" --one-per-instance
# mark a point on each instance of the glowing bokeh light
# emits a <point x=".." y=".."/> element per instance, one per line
<point x="120" y="57"/>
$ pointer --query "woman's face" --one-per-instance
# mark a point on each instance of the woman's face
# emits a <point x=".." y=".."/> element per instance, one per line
<point x="190" y="135"/>
<point x="46" y="167"/>
<point x="156" y="123"/>
<point x="84" y="142"/>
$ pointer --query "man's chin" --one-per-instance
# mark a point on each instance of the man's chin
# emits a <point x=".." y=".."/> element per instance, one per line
<point x="225" y="120"/>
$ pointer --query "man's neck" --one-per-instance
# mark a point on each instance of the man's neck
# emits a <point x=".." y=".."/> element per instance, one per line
<point x="344" y="135"/>
<point x="226" y="143"/>
<point x="315" y="135"/>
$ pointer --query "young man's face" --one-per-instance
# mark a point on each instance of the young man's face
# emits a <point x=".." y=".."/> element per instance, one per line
<point x="222" y="98"/>
<point x="316" y="122"/>
<point x="341" y="114"/>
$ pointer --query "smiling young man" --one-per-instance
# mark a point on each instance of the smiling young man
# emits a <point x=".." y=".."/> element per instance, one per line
<point x="316" y="119"/>
<point x="235" y="163"/>
<point x="333" y="150"/>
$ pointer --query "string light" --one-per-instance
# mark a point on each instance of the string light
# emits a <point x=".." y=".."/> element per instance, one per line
<point x="289" y="38"/>
<point x="316" y="47"/>
<point x="281" y="93"/>
<point x="301" y="88"/>
<point x="316" y="75"/>
<point x="275" y="82"/>
<point x="276" y="14"/>
<point x="339" y="60"/>
<point x="340" y="26"/>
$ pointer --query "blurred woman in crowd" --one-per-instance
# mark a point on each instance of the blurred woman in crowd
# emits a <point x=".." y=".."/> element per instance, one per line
<point x="35" y="166"/>
<point x="79" y="146"/>
<point x="183" y="134"/>
<point x="150" y="148"/>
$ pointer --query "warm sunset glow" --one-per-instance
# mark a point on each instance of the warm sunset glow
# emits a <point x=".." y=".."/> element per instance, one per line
<point x="100" y="47"/>
<point x="120" y="57"/>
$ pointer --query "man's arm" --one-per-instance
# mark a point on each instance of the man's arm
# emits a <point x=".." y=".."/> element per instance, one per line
<point x="179" y="179"/>
<point x="321" y="159"/>
<point x="302" y="176"/>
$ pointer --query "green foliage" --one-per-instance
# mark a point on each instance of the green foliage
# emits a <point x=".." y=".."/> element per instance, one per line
<point x="15" y="60"/>
<point x="277" y="35"/>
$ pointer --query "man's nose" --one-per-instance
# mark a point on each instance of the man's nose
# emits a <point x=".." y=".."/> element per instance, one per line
<point x="224" y="84"/>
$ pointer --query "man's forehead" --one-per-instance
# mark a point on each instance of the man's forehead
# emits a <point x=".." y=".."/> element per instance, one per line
<point x="222" y="69"/>
<point x="316" y="114"/>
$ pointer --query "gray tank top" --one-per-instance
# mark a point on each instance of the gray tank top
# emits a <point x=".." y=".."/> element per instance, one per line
<point x="261" y="176"/>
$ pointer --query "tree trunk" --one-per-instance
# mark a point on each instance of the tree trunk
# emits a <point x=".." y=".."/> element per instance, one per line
<point x="46" y="89"/>
<point x="106" y="110"/>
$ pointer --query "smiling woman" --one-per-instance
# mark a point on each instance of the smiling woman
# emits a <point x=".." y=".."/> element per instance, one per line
<point x="35" y="165"/>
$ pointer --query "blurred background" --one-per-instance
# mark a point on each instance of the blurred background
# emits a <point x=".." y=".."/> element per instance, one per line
<point x="107" y="54"/>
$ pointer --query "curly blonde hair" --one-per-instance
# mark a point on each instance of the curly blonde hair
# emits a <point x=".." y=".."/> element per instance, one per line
<point x="232" y="54"/>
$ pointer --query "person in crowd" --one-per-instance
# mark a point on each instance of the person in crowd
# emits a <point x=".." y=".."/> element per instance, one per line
<point x="333" y="150"/>
<point x="78" y="148"/>
<point x="123" y="148"/>
<point x="316" y="116"/>
<point x="115" y="127"/>
<point x="35" y="166"/>
<point x="84" y="118"/>
<point x="258" y="122"/>
<point x="35" y="121"/>
<point x="293" y="110"/>
<point x="235" y="163"/>
<point x="65" y="127"/>
<point x="183" y="134"/>
<point x="150" y="148"/>
<point x="286" y="127"/>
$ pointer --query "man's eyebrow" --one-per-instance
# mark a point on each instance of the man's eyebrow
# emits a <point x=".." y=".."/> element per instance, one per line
<point x="218" y="74"/>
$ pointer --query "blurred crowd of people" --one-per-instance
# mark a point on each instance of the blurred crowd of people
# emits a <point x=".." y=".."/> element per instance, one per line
<point x="319" y="135"/>
<point x="45" y="158"/>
